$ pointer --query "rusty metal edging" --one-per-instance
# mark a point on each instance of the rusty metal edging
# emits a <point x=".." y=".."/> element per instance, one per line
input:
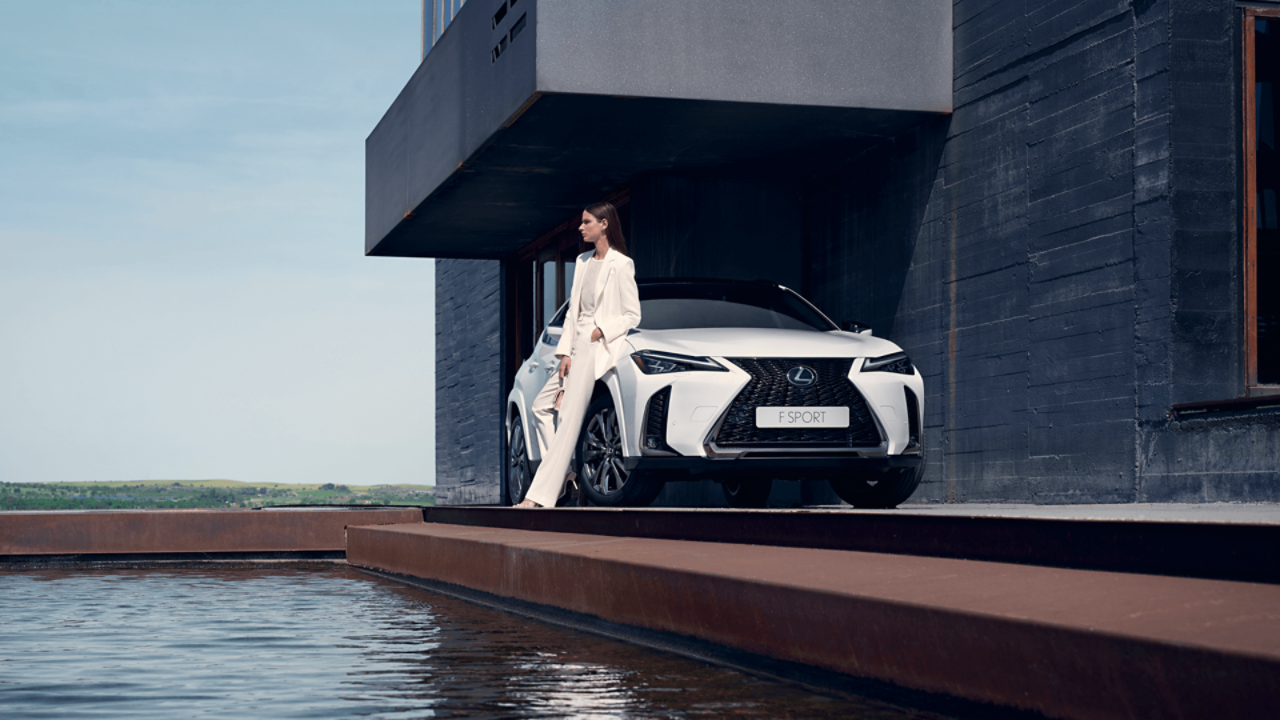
<point x="98" y="536"/>
<point x="1063" y="642"/>
<point x="1214" y="550"/>
<point x="811" y="678"/>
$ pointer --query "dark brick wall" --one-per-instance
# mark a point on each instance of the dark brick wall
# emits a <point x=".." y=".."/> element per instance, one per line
<point x="716" y="228"/>
<point x="468" y="385"/>
<point x="1062" y="257"/>
<point x="1191" y="283"/>
<point x="1204" y="175"/>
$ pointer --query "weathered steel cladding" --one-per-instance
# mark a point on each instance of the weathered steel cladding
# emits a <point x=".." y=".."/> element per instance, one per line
<point x="1247" y="552"/>
<point x="1068" y="643"/>
<point x="159" y="533"/>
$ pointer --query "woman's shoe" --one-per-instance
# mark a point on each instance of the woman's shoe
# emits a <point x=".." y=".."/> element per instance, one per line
<point x="527" y="503"/>
<point x="566" y="490"/>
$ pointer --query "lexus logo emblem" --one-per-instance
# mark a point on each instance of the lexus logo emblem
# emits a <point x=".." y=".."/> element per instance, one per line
<point x="801" y="376"/>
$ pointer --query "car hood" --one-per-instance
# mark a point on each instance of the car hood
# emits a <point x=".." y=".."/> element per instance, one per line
<point x="762" y="342"/>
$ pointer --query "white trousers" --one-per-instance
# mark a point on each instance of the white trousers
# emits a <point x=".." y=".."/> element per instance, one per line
<point x="556" y="440"/>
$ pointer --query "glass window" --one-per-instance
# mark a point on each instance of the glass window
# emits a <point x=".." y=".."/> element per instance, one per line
<point x="547" y="262"/>
<point x="672" y="306"/>
<point x="437" y="14"/>
<point x="570" y="265"/>
<point x="531" y="310"/>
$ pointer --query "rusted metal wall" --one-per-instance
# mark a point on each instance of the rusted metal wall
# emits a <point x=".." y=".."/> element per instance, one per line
<point x="160" y="532"/>
<point x="1068" y="643"/>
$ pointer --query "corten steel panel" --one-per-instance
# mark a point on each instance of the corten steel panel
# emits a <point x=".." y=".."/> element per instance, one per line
<point x="1221" y="550"/>
<point x="1065" y="642"/>
<point x="158" y="532"/>
<point x="476" y="156"/>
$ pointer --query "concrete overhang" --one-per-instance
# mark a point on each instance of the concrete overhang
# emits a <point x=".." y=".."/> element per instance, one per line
<point x="480" y="154"/>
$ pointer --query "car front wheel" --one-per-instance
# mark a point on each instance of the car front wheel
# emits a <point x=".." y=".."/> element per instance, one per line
<point x="602" y="472"/>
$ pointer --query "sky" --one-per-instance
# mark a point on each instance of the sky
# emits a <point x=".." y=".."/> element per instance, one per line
<point x="183" y="287"/>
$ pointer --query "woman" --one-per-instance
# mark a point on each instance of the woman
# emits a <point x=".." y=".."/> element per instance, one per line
<point x="603" y="306"/>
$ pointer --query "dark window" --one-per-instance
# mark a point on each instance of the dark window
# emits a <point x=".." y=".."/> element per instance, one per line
<point x="569" y="261"/>
<point x="517" y="27"/>
<point x="497" y="17"/>
<point x="548" y="283"/>
<point x="1262" y="201"/>
<point x="542" y="280"/>
<point x="672" y="306"/>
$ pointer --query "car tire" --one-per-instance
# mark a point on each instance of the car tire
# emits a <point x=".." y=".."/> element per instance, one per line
<point x="882" y="489"/>
<point x="602" y="474"/>
<point x="747" y="494"/>
<point x="519" y="469"/>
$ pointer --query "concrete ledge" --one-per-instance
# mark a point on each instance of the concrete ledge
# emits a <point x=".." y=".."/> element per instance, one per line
<point x="1064" y="642"/>
<point x="304" y="533"/>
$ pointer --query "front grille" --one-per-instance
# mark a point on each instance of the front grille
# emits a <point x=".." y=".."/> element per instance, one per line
<point x="769" y="388"/>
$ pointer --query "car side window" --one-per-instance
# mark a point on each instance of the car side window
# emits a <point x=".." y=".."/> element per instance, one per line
<point x="558" y="320"/>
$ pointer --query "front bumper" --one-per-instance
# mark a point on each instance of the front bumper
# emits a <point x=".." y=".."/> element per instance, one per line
<point x="767" y="468"/>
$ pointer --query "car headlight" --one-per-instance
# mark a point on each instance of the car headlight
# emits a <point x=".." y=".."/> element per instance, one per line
<point x="652" y="362"/>
<point x="895" y="363"/>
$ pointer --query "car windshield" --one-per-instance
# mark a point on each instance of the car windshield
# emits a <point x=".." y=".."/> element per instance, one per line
<point x="678" y="306"/>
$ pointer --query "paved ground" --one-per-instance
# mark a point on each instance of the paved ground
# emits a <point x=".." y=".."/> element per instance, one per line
<point x="1268" y="513"/>
<point x="1261" y="513"/>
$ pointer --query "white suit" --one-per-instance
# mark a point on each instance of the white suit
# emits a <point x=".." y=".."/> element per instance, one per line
<point x="617" y="311"/>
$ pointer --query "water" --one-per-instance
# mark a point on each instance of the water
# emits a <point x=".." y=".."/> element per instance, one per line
<point x="335" y="643"/>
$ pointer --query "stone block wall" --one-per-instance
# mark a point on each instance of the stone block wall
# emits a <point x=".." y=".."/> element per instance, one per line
<point x="468" y="383"/>
<point x="1062" y="256"/>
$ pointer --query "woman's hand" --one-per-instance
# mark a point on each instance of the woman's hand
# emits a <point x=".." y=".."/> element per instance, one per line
<point x="596" y="334"/>
<point x="565" y="361"/>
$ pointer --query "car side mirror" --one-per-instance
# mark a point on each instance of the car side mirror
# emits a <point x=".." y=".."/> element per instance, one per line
<point x="854" y="326"/>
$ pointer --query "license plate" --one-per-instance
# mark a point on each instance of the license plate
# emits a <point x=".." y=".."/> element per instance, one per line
<point x="806" y="417"/>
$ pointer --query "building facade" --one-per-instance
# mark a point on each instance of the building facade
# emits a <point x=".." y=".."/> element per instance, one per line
<point x="1064" y="212"/>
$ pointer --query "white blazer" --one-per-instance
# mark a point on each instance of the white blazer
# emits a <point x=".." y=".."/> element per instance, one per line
<point x="617" y="308"/>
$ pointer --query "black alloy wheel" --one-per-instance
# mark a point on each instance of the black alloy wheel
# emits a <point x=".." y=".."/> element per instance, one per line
<point x="882" y="489"/>
<point x="747" y="494"/>
<point x="601" y="468"/>
<point x="519" y="475"/>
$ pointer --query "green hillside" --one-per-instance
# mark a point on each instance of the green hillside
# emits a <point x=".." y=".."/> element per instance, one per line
<point x="143" y="494"/>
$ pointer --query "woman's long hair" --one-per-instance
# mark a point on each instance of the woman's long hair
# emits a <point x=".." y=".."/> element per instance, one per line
<point x="607" y="212"/>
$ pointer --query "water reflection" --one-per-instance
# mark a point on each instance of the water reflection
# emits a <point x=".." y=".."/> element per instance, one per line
<point x="284" y="643"/>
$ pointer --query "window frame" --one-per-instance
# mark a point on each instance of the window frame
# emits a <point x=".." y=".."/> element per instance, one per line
<point x="1249" y="206"/>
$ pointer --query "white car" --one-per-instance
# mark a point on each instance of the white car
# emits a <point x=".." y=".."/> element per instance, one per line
<point x="740" y="382"/>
